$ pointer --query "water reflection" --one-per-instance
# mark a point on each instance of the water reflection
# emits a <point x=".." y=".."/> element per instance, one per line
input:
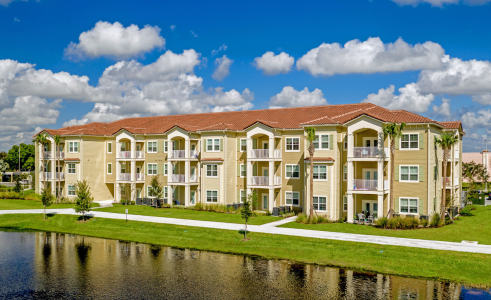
<point x="69" y="266"/>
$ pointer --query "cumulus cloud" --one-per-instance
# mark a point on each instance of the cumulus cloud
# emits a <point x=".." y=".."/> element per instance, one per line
<point x="221" y="48"/>
<point x="409" y="98"/>
<point x="172" y="27"/>
<point x="474" y="120"/>
<point x="370" y="56"/>
<point x="289" y="97"/>
<point x="115" y="41"/>
<point x="441" y="3"/>
<point x="272" y="64"/>
<point x="16" y="20"/>
<point x="222" y="69"/>
<point x="443" y="110"/>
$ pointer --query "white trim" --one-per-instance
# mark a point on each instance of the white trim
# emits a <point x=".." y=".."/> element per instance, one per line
<point x="68" y="168"/>
<point x="206" y="196"/>
<point x="320" y="142"/>
<point x="286" y="192"/>
<point x="409" y="206"/>
<point x="156" y="146"/>
<point x="213" y="144"/>
<point x="325" y="210"/>
<point x="240" y="145"/>
<point x="372" y="171"/>
<point x="240" y="170"/>
<point x="69" y="146"/>
<point x="409" y="149"/>
<point x="292" y="171"/>
<point x="245" y="194"/>
<point x="166" y="146"/>
<point x="156" y="169"/>
<point x="107" y="169"/>
<point x="409" y="174"/>
<point x="262" y="200"/>
<point x="74" y="190"/>
<point x="286" y="147"/>
<point x="372" y="139"/>
<point x="319" y="173"/>
<point x="206" y="174"/>
<point x="107" y="147"/>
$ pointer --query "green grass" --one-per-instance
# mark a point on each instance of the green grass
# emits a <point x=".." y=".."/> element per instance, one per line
<point x="468" y="268"/>
<point x="9" y="204"/>
<point x="187" y="214"/>
<point x="475" y="228"/>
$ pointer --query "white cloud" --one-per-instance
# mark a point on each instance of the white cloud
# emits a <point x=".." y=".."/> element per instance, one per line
<point x="482" y="99"/>
<point x="116" y="41"/>
<point x="5" y="2"/>
<point x="274" y="64"/>
<point x="172" y="27"/>
<point x="476" y="2"/>
<point x="194" y="34"/>
<point x="370" y="56"/>
<point x="409" y="98"/>
<point x="16" y="20"/>
<point x="289" y="97"/>
<point x="221" y="48"/>
<point x="477" y="120"/>
<point x="441" y="3"/>
<point x="443" y="110"/>
<point x="222" y="69"/>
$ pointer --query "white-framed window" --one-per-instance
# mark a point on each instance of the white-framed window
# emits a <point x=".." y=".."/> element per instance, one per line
<point x="123" y="146"/>
<point x="320" y="203"/>
<point x="193" y="197"/>
<point x="292" y="171"/>
<point x="152" y="147"/>
<point x="71" y="190"/>
<point x="166" y="192"/>
<point x="211" y="170"/>
<point x="345" y="203"/>
<point x="149" y="191"/>
<point x="292" y="198"/>
<point x="292" y="144"/>
<point x="166" y="146"/>
<point x="243" y="145"/>
<point x="109" y="168"/>
<point x="409" y="141"/>
<point x="123" y="168"/>
<point x="243" y="171"/>
<point x="243" y="196"/>
<point x="320" y="172"/>
<point x="73" y="147"/>
<point x="212" y="196"/>
<point x="345" y="173"/>
<point x="71" y="168"/>
<point x="408" y="205"/>
<point x="321" y="142"/>
<point x="109" y="147"/>
<point x="409" y="173"/>
<point x="212" y="145"/>
<point x="345" y="143"/>
<point x="166" y="171"/>
<point x="152" y="169"/>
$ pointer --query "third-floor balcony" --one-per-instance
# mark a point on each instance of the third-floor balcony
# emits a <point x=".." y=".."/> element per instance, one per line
<point x="370" y="152"/>
<point x="124" y="154"/>
<point x="47" y="154"/>
<point x="139" y="154"/>
<point x="263" y="153"/>
<point x="177" y="154"/>
<point x="264" y="180"/>
<point x="368" y="185"/>
<point x="181" y="178"/>
<point x="60" y="175"/>
<point x="124" y="176"/>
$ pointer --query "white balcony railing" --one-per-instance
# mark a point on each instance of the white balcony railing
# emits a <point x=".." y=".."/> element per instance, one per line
<point x="365" y="185"/>
<point x="277" y="153"/>
<point x="177" y="178"/>
<point x="60" y="155"/>
<point x="45" y="175"/>
<point x="47" y="154"/>
<point x="124" y="154"/>
<point x="177" y="154"/>
<point x="140" y="154"/>
<point x="60" y="175"/>
<point x="193" y="178"/>
<point x="259" y="153"/>
<point x="193" y="154"/>
<point x="124" y="176"/>
<point x="386" y="184"/>
<point x="260" y="180"/>
<point x="368" y="152"/>
<point x="277" y="180"/>
<point x="139" y="176"/>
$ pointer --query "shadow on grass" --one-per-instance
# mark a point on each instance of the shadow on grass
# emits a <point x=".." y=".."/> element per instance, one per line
<point x="87" y="218"/>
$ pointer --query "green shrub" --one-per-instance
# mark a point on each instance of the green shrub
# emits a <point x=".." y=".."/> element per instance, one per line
<point x="466" y="211"/>
<point x="302" y="218"/>
<point x="179" y="206"/>
<point x="424" y="222"/>
<point x="382" y="222"/>
<point x="435" y="220"/>
<point x="166" y="205"/>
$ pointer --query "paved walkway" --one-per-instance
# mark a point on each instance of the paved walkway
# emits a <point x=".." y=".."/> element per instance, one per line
<point x="268" y="228"/>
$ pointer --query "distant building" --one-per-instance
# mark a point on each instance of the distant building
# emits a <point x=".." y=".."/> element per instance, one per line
<point x="479" y="158"/>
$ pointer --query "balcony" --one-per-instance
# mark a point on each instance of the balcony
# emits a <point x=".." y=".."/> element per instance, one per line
<point x="264" y="180"/>
<point x="177" y="178"/>
<point x="60" y="155"/>
<point x="193" y="178"/>
<point x="124" y="154"/>
<point x="177" y="154"/>
<point x="140" y="154"/>
<point x="370" y="152"/>
<point x="263" y="153"/>
<point x="193" y="154"/>
<point x="139" y="177"/>
<point x="45" y="175"/>
<point x="60" y="175"/>
<point x="47" y="154"/>
<point x="124" y="176"/>
<point x="365" y="185"/>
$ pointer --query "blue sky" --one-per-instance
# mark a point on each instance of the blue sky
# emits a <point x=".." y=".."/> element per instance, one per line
<point x="40" y="32"/>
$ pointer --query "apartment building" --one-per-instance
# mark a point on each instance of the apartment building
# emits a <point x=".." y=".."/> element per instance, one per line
<point x="220" y="158"/>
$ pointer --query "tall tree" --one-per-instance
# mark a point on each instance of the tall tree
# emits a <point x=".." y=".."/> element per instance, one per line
<point x="311" y="138"/>
<point x="83" y="199"/>
<point x="26" y="152"/>
<point x="3" y="155"/>
<point x="392" y="131"/>
<point x="42" y="140"/>
<point x="58" y="173"/>
<point x="4" y="166"/>
<point x="446" y="141"/>
<point x="156" y="186"/>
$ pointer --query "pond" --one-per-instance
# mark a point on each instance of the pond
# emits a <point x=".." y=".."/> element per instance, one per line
<point x="40" y="265"/>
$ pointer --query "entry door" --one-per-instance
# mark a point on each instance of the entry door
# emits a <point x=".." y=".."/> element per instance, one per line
<point x="265" y="146"/>
<point x="371" y="143"/>
<point x="193" y="199"/>
<point x="138" y="148"/>
<point x="371" y="207"/>
<point x="265" y="201"/>
<point x="138" y="193"/>
<point x="265" y="172"/>
<point x="193" y="173"/>
<point x="370" y="175"/>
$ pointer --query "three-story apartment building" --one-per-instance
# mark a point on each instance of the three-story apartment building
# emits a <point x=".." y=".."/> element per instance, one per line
<point x="220" y="158"/>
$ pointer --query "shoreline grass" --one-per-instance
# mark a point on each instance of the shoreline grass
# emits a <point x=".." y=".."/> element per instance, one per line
<point x="467" y="268"/>
<point x="13" y="204"/>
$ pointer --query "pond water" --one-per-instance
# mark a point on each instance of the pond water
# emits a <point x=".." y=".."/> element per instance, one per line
<point x="40" y="265"/>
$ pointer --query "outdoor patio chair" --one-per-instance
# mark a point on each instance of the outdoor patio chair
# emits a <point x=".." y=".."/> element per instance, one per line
<point x="370" y="219"/>
<point x="361" y="217"/>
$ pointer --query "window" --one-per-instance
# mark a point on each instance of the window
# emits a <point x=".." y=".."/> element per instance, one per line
<point x="410" y="141"/>
<point x="123" y="146"/>
<point x="165" y="169"/>
<point x="123" y="168"/>
<point x="152" y="147"/>
<point x="320" y="173"/>
<point x="166" y="192"/>
<point x="109" y="147"/>
<point x="213" y="145"/>
<point x="324" y="142"/>
<point x="293" y="198"/>
<point x="152" y="169"/>
<point x="320" y="203"/>
<point x="109" y="168"/>
<point x="409" y="173"/>
<point x="73" y="147"/>
<point x="193" y="198"/>
<point x="345" y="173"/>
<point x="292" y="171"/>
<point x="71" y="168"/>
<point x="211" y="170"/>
<point x="345" y="143"/>
<point x="212" y="196"/>
<point x="243" y="145"/>
<point x="345" y="203"/>
<point x="242" y="196"/>
<point x="243" y="170"/>
<point x="166" y="147"/>
<point x="149" y="191"/>
<point x="408" y="205"/>
<point x="293" y="144"/>
<point x="71" y="190"/>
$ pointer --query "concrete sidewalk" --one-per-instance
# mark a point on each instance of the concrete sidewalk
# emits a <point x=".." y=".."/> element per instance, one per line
<point x="349" y="237"/>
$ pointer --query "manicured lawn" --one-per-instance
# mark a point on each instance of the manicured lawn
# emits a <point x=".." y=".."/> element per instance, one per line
<point x="446" y="265"/>
<point x="476" y="228"/>
<point x="187" y="214"/>
<point x="9" y="204"/>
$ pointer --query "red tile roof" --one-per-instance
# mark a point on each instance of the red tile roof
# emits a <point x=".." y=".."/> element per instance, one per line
<point x="72" y="159"/>
<point x="452" y="124"/>
<point x="212" y="159"/>
<point x="281" y="118"/>
<point x="320" y="159"/>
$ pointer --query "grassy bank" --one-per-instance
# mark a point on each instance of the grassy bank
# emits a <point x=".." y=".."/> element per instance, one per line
<point x="475" y="228"/>
<point x="187" y="214"/>
<point x="460" y="267"/>
<point x="9" y="204"/>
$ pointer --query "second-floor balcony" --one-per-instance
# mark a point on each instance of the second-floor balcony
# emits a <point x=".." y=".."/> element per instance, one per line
<point x="177" y="154"/>
<point x="370" y="152"/>
<point x="368" y="185"/>
<point x="264" y="153"/>
<point x="45" y="175"/>
<point x="47" y="154"/>
<point x="139" y="154"/>
<point x="124" y="154"/>
<point x="124" y="176"/>
<point x="264" y="180"/>
<point x="177" y="178"/>
<point x="60" y="175"/>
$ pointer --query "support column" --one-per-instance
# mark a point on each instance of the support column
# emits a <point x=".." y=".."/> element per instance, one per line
<point x="271" y="173"/>
<point x="133" y="150"/>
<point x="187" y="195"/>
<point x="351" y="144"/>
<point x="170" y="195"/>
<point x="270" y="199"/>
<point x="187" y="148"/>
<point x="271" y="147"/>
<point x="118" y="192"/>
<point x="187" y="171"/>
<point x="380" y="175"/>
<point x="380" y="203"/>
<point x="133" y="169"/>
<point x="351" y="175"/>
<point x="351" y="208"/>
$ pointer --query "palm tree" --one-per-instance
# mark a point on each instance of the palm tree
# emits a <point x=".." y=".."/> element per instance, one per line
<point x="393" y="131"/>
<point x="446" y="142"/>
<point x="311" y="137"/>
<point x="57" y="152"/>
<point x="41" y="139"/>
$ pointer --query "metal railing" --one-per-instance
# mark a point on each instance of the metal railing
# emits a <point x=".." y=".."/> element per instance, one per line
<point x="47" y="154"/>
<point x="177" y="154"/>
<point x="277" y="180"/>
<point x="193" y="178"/>
<point x="277" y="153"/>
<point x="365" y="185"/>
<point x="60" y="155"/>
<point x="260" y="180"/>
<point x="177" y="178"/>
<point x="124" y="176"/>
<point x="139" y="176"/>
<point x="193" y="154"/>
<point x="386" y="184"/>
<point x="124" y="154"/>
<point x="45" y="175"/>
<point x="140" y="154"/>
<point x="60" y="175"/>
<point x="368" y="152"/>
<point x="259" y="153"/>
